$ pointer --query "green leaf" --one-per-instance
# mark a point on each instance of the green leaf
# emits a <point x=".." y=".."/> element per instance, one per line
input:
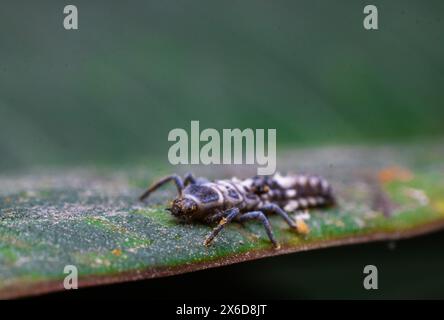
<point x="91" y="219"/>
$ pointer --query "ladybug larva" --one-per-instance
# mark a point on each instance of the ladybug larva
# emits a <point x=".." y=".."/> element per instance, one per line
<point x="223" y="201"/>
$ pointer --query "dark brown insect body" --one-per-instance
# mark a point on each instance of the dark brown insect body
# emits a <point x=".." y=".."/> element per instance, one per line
<point x="224" y="201"/>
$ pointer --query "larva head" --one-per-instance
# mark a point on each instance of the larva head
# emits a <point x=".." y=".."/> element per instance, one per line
<point x="183" y="208"/>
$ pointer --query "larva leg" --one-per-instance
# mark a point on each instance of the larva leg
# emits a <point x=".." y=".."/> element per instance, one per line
<point x="216" y="217"/>
<point x="258" y="215"/>
<point x="177" y="180"/>
<point x="228" y="216"/>
<point x="273" y="208"/>
<point x="189" y="179"/>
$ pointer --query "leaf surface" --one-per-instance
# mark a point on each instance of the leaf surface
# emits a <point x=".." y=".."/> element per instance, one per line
<point x="91" y="218"/>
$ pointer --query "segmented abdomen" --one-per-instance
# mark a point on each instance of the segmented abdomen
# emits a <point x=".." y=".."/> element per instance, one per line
<point x="295" y="192"/>
<point x="291" y="192"/>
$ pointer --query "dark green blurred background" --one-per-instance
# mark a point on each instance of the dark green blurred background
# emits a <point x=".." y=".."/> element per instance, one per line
<point x="111" y="91"/>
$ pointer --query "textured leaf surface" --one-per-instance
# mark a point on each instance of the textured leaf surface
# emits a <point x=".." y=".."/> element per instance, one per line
<point x="91" y="218"/>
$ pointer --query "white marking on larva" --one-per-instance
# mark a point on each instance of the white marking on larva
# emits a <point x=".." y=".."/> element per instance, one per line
<point x="292" y="205"/>
<point x="290" y="193"/>
<point x="218" y="184"/>
<point x="325" y="185"/>
<point x="224" y="187"/>
<point x="314" y="182"/>
<point x="239" y="188"/>
<point x="303" y="202"/>
<point x="304" y="215"/>
<point x="302" y="180"/>
<point x="215" y="187"/>
<point x="236" y="180"/>
<point x="195" y="199"/>
<point x="312" y="201"/>
<point x="284" y="182"/>
<point x="245" y="183"/>
<point x="278" y="176"/>
<point x="227" y="185"/>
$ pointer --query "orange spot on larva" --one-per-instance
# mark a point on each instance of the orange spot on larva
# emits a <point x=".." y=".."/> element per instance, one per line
<point x="302" y="227"/>
<point x="117" y="252"/>
<point x="394" y="173"/>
